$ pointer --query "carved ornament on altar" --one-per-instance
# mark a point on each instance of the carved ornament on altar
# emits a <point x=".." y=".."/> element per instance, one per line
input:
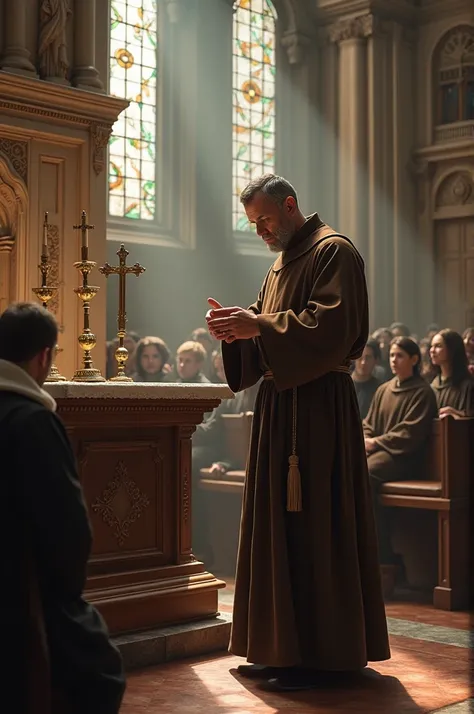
<point x="52" y="50"/>
<point x="17" y="154"/>
<point x="13" y="195"/>
<point x="121" y="503"/>
<point x="100" y="134"/>
<point x="457" y="189"/>
<point x="55" y="273"/>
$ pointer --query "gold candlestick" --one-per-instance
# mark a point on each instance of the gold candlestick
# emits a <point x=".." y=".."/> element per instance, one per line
<point x="87" y="340"/>
<point x="122" y="270"/>
<point x="45" y="293"/>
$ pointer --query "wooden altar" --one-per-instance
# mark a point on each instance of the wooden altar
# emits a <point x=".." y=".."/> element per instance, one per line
<point x="133" y="448"/>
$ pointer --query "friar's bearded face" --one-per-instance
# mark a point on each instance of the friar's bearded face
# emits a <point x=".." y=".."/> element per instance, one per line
<point x="274" y="224"/>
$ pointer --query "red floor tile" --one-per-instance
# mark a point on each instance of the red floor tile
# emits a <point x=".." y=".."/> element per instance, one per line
<point x="420" y="677"/>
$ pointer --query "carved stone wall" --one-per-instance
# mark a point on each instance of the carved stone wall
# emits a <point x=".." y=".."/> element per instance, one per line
<point x="456" y="190"/>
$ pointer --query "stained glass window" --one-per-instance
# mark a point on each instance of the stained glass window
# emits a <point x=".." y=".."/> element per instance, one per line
<point x="133" y="76"/>
<point x="254" y="97"/>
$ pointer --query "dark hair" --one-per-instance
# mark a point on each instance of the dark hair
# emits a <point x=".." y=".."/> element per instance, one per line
<point x="134" y="335"/>
<point x="377" y="334"/>
<point x="201" y="333"/>
<point x="275" y="187"/>
<point x="374" y="346"/>
<point x="456" y="354"/>
<point x="411" y="348"/>
<point x="26" y="329"/>
<point x="160" y="345"/>
<point x="401" y="327"/>
<point x="468" y="332"/>
<point x="432" y="327"/>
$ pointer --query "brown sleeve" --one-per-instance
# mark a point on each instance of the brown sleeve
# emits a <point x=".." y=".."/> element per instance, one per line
<point x="368" y="424"/>
<point x="411" y="433"/>
<point x="241" y="358"/>
<point x="300" y="348"/>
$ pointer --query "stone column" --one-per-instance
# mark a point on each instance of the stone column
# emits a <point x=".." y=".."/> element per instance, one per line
<point x="296" y="91"/>
<point x="6" y="247"/>
<point x="16" y="58"/>
<point x="85" y="74"/>
<point x="412" y="259"/>
<point x="351" y="38"/>
<point x="380" y="172"/>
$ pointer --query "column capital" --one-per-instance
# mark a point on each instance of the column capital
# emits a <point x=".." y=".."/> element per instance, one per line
<point x="6" y="244"/>
<point x="355" y="28"/>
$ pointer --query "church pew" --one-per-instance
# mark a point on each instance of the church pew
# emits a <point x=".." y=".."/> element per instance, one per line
<point x="225" y="492"/>
<point x="444" y="488"/>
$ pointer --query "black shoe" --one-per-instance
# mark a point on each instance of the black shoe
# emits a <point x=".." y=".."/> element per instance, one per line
<point x="297" y="680"/>
<point x="258" y="671"/>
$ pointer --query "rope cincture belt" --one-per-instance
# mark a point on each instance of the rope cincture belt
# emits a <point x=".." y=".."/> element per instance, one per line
<point x="294" y="498"/>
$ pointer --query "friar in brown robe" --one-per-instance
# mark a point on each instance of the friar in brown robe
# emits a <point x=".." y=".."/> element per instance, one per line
<point x="308" y="590"/>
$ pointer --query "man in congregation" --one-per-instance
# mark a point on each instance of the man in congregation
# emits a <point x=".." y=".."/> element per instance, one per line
<point x="308" y="598"/>
<point x="59" y="656"/>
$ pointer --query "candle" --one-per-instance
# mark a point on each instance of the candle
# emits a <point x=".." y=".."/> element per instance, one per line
<point x="44" y="247"/>
<point x="85" y="232"/>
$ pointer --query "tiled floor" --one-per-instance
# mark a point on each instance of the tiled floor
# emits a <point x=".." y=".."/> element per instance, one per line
<point x="430" y="671"/>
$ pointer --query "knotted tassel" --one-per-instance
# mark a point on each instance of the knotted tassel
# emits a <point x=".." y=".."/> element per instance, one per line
<point x="294" y="500"/>
<point x="294" y="496"/>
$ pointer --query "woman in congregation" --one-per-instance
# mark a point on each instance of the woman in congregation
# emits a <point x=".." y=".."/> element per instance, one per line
<point x="453" y="384"/>
<point x="151" y="359"/>
<point x="396" y="431"/>
<point x="468" y="337"/>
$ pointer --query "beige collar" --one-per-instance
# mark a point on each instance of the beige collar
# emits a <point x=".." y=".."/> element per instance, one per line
<point x="14" y="379"/>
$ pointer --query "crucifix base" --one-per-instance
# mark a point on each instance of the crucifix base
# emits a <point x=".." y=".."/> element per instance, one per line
<point x="121" y="378"/>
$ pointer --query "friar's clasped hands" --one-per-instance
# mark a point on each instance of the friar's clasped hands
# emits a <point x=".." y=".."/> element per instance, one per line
<point x="231" y="323"/>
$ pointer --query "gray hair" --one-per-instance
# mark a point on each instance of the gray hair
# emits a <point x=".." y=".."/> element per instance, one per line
<point x="276" y="188"/>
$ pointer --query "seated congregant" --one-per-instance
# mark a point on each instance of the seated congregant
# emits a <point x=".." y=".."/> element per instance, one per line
<point x="453" y="384"/>
<point x="190" y="363"/>
<point x="427" y="369"/>
<point x="399" y="329"/>
<point x="218" y="373"/>
<point x="383" y="337"/>
<point x="363" y="376"/>
<point x="151" y="360"/>
<point x="201" y="335"/>
<point x="397" y="429"/>
<point x="468" y="338"/>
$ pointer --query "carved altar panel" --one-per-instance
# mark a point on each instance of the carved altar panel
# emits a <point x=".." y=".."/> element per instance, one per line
<point x="128" y="496"/>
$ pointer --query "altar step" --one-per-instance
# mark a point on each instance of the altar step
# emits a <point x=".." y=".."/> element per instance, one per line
<point x="152" y="647"/>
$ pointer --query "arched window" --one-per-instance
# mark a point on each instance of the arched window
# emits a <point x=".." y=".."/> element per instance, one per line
<point x="253" y="97"/>
<point x="455" y="76"/>
<point x="133" y="75"/>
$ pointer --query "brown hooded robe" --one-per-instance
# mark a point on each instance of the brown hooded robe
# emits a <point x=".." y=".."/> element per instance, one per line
<point x="460" y="397"/>
<point x="308" y="588"/>
<point x="400" y="420"/>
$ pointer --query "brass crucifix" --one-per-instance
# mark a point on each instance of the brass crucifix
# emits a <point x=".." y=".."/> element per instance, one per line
<point x="122" y="270"/>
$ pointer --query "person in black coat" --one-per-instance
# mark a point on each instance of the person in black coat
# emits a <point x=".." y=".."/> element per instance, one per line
<point x="58" y="645"/>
